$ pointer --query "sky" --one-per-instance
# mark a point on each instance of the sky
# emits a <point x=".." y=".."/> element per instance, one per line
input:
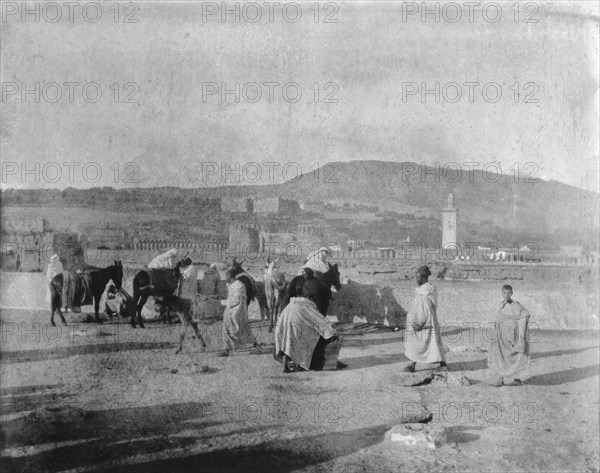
<point x="519" y="92"/>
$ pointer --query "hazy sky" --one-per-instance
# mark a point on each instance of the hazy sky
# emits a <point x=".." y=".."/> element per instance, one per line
<point x="373" y="62"/>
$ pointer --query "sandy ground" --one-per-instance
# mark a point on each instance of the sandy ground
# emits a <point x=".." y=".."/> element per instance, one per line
<point x="109" y="398"/>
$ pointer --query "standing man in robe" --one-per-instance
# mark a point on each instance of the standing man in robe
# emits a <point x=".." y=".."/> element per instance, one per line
<point x="236" y="330"/>
<point x="423" y="340"/>
<point x="508" y="357"/>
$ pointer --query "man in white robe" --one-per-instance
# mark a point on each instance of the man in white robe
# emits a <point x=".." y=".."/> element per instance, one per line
<point x="509" y="361"/>
<point x="423" y="340"/>
<point x="164" y="261"/>
<point x="236" y="331"/>
<point x="298" y="330"/>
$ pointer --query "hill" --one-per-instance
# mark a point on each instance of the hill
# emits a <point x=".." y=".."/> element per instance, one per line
<point x="491" y="206"/>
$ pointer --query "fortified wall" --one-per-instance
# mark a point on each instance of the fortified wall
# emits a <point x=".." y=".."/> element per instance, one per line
<point x="276" y="205"/>
<point x="238" y="205"/>
<point x="260" y="206"/>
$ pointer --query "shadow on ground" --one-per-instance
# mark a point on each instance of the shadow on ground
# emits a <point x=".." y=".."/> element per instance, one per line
<point x="274" y="456"/>
<point x="21" y="356"/>
<point x="566" y="376"/>
<point x="481" y="364"/>
<point x="120" y="434"/>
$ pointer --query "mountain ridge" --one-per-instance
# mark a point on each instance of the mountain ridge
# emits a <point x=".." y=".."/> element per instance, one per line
<point x="509" y="202"/>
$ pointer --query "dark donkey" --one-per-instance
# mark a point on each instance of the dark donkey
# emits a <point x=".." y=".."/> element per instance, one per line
<point x="323" y="282"/>
<point x="98" y="279"/>
<point x="158" y="282"/>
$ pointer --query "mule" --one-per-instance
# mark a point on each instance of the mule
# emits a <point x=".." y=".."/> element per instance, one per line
<point x="98" y="279"/>
<point x="185" y="311"/>
<point x="324" y="283"/>
<point x="158" y="282"/>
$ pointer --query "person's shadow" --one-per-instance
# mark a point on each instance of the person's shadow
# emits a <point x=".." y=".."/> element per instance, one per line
<point x="566" y="376"/>
<point x="481" y="364"/>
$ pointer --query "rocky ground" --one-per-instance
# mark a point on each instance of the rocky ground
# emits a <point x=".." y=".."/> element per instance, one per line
<point x="110" y="398"/>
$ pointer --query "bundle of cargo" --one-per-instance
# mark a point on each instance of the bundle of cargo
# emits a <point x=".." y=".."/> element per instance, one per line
<point x="326" y="354"/>
<point x="208" y="309"/>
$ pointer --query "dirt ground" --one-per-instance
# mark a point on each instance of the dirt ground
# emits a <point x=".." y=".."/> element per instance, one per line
<point x="89" y="397"/>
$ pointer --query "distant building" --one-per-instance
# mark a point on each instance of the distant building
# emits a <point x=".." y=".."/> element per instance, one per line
<point x="276" y="205"/>
<point x="234" y="204"/>
<point x="449" y="224"/>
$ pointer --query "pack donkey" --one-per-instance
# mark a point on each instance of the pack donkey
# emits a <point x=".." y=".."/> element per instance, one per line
<point x="157" y="282"/>
<point x="324" y="283"/>
<point x="81" y="288"/>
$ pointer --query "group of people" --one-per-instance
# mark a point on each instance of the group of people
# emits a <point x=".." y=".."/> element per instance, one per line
<point x="301" y="327"/>
<point x="508" y="355"/>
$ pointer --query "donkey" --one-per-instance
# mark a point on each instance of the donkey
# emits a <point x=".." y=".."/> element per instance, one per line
<point x="324" y="282"/>
<point x="88" y="285"/>
<point x="158" y="282"/>
<point x="185" y="311"/>
<point x="275" y="287"/>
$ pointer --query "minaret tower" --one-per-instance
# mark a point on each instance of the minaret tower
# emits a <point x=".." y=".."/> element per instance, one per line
<point x="449" y="219"/>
